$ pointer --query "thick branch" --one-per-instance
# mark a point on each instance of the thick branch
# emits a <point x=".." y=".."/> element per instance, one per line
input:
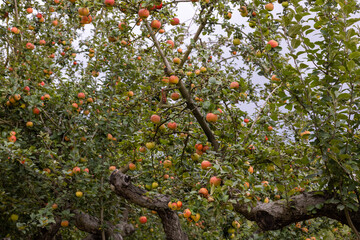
<point x="184" y="92"/>
<point x="92" y="225"/>
<point x="121" y="185"/>
<point x="278" y="214"/>
<point x="50" y="232"/>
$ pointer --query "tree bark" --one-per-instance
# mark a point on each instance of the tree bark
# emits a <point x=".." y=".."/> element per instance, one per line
<point x="278" y="214"/>
<point x="91" y="224"/>
<point x="122" y="186"/>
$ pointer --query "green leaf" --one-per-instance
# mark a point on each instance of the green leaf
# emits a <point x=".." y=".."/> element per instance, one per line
<point x="354" y="55"/>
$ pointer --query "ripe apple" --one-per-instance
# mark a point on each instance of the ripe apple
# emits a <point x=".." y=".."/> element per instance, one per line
<point x="156" y="24"/>
<point x="205" y="165"/>
<point x="143" y="13"/>
<point x="150" y="145"/>
<point x="176" y="60"/>
<point x="175" y="96"/>
<point x="155" y="118"/>
<point x="130" y="93"/>
<point x="30" y="46"/>
<point x="154" y="185"/>
<point x="132" y="166"/>
<point x="36" y="111"/>
<point x="173" y="79"/>
<point x="122" y="26"/>
<point x="47" y="97"/>
<point x="142" y="219"/>
<point x="162" y="30"/>
<point x="204" y="192"/>
<point x="215" y="181"/>
<point x="29" y="10"/>
<point x="112" y="168"/>
<point x="75" y="105"/>
<point x="273" y="43"/>
<point x="64" y="223"/>
<point x="270" y="128"/>
<point x="179" y="204"/>
<point x="171" y="43"/>
<point x="39" y="15"/>
<point x="159" y="6"/>
<point x="81" y="95"/>
<point x="142" y="149"/>
<point x="251" y="170"/>
<point x="166" y="176"/>
<point x="246" y="120"/>
<point x="174" y="21"/>
<point x="29" y="124"/>
<point x="187" y="213"/>
<point x="269" y="6"/>
<point x="274" y="78"/>
<point x="54" y="206"/>
<point x="76" y="170"/>
<point x="172" y="125"/>
<point x="109" y="3"/>
<point x="234" y="85"/>
<point x="83" y="11"/>
<point x="12" y="138"/>
<point x="79" y="194"/>
<point x="210" y="117"/>
<point x="27" y="89"/>
<point x="167" y="163"/>
<point x="236" y="41"/>
<point x="180" y="50"/>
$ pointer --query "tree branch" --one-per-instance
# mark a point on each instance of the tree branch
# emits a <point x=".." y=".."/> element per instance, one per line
<point x="92" y="225"/>
<point x="278" y="214"/>
<point x="122" y="186"/>
<point x="184" y="92"/>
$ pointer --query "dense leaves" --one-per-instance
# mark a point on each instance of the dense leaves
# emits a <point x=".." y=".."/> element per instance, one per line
<point x="270" y="98"/>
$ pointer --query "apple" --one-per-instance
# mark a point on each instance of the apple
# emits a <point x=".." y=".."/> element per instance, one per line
<point x="79" y="194"/>
<point x="195" y="156"/>
<point x="266" y="200"/>
<point x="27" y="89"/>
<point x="36" y="111"/>
<point x="173" y="79"/>
<point x="228" y="15"/>
<point x="12" y="138"/>
<point x="187" y="213"/>
<point x="109" y="3"/>
<point x="75" y="105"/>
<point x="159" y="6"/>
<point x="132" y="166"/>
<point x="54" y="206"/>
<point x="176" y="60"/>
<point x="251" y="170"/>
<point x="29" y="124"/>
<point x="154" y="185"/>
<point x="142" y="219"/>
<point x="205" y="165"/>
<point x="285" y="4"/>
<point x="29" y="10"/>
<point x="156" y="24"/>
<point x="234" y="85"/>
<point x="203" y="69"/>
<point x="47" y="97"/>
<point x="86" y="19"/>
<point x="162" y="30"/>
<point x="112" y="168"/>
<point x="172" y="125"/>
<point x="167" y="163"/>
<point x="89" y="100"/>
<point x="215" y="181"/>
<point x="274" y="78"/>
<point x="76" y="170"/>
<point x="269" y="6"/>
<point x="174" y="21"/>
<point x="204" y="192"/>
<point x="122" y="26"/>
<point x="155" y="118"/>
<point x="171" y="43"/>
<point x="83" y="11"/>
<point x="236" y="41"/>
<point x="246" y="120"/>
<point x="150" y="145"/>
<point x="179" y="204"/>
<point x="270" y="128"/>
<point x="64" y="223"/>
<point x="142" y="149"/>
<point x="196" y="217"/>
<point x="143" y="13"/>
<point x="210" y="117"/>
<point x="166" y="176"/>
<point x="130" y="93"/>
<point x="81" y="95"/>
<point x="30" y="46"/>
<point x="273" y="43"/>
<point x="180" y="50"/>
<point x="175" y="96"/>
<point x="14" y="217"/>
<point x="86" y="170"/>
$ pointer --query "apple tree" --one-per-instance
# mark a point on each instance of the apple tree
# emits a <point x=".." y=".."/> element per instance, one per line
<point x="134" y="120"/>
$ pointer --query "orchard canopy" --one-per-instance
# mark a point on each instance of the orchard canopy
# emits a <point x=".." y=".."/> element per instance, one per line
<point x="179" y="119"/>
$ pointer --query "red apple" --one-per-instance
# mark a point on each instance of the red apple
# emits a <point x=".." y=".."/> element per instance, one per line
<point x="122" y="26"/>
<point x="215" y="181"/>
<point x="155" y="118"/>
<point x="83" y="11"/>
<point x="246" y="120"/>
<point x="205" y="165"/>
<point x="30" y="46"/>
<point x="210" y="117"/>
<point x="142" y="219"/>
<point x="176" y="60"/>
<point x="173" y="79"/>
<point x="29" y="10"/>
<point x="187" y="213"/>
<point x="109" y="3"/>
<point x="175" y="96"/>
<point x="143" y="13"/>
<point x="234" y="85"/>
<point x="269" y="6"/>
<point x="172" y="125"/>
<point x="132" y="166"/>
<point x="273" y="43"/>
<point x="171" y="43"/>
<point x="81" y="95"/>
<point x="156" y="24"/>
<point x="36" y="111"/>
<point x="174" y="21"/>
<point x="204" y="192"/>
<point x="159" y="6"/>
